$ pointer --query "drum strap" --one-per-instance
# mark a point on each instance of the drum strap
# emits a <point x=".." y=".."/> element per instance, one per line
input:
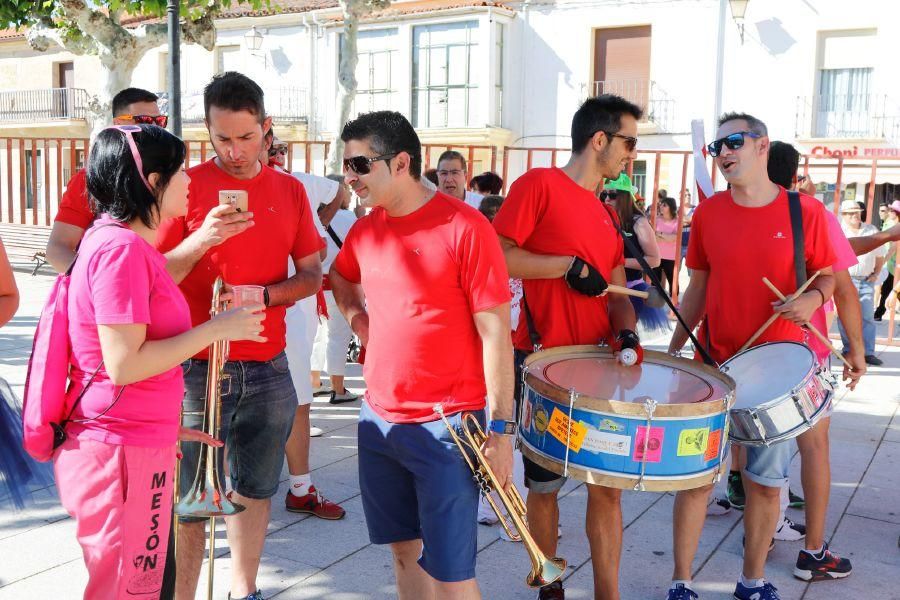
<point x="639" y="256"/>
<point x="533" y="334"/>
<point x="796" y="211"/>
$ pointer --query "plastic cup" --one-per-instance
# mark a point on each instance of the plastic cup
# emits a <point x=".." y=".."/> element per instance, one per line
<point x="245" y="295"/>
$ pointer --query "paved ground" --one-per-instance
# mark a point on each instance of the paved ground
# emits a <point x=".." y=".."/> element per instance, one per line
<point x="309" y="558"/>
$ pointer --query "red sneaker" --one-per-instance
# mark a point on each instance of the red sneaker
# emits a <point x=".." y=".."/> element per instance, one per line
<point x="315" y="504"/>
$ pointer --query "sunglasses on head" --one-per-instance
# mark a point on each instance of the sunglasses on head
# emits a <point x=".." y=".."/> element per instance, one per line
<point x="160" y="120"/>
<point x="732" y="142"/>
<point x="362" y="165"/>
<point x="630" y="142"/>
<point x="128" y="130"/>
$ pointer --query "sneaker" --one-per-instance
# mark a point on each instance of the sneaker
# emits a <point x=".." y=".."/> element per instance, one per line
<point x="766" y="591"/>
<point x="795" y="501"/>
<point x="257" y="595"/>
<point x="682" y="592"/>
<point x="744" y="543"/>
<point x="342" y="398"/>
<point x="554" y="591"/>
<point x="314" y="503"/>
<point x="873" y="360"/>
<point x="736" y="490"/>
<point x="789" y="531"/>
<point x="486" y="514"/>
<point x="315" y="431"/>
<point x="718" y="507"/>
<point x="323" y="390"/>
<point x="829" y="566"/>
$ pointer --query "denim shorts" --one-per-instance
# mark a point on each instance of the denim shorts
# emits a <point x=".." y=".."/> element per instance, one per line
<point x="770" y="466"/>
<point x="258" y="405"/>
<point x="415" y="485"/>
<point x="537" y="479"/>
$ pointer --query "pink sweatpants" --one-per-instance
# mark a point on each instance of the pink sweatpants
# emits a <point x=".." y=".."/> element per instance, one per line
<point x="121" y="500"/>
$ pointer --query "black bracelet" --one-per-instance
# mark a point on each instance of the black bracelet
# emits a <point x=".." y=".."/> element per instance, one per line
<point x="266" y="296"/>
<point x="821" y="293"/>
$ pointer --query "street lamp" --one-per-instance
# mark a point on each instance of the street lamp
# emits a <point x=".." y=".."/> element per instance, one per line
<point x="738" y="10"/>
<point x="253" y="39"/>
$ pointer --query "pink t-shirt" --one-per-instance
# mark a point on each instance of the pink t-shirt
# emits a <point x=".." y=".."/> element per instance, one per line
<point x="846" y="258"/>
<point x="120" y="279"/>
<point x="666" y="249"/>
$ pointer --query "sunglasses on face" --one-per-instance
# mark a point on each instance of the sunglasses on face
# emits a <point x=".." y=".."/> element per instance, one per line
<point x="630" y="142"/>
<point x="609" y="195"/>
<point x="160" y="120"/>
<point x="277" y="151"/>
<point x="732" y="142"/>
<point x="362" y="165"/>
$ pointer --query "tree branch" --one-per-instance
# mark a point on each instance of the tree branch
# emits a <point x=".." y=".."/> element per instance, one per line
<point x="93" y="23"/>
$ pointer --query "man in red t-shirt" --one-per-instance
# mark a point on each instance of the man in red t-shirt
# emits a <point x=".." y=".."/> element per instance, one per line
<point x="562" y="242"/>
<point x="737" y="238"/>
<point x="422" y="281"/>
<point x="258" y="408"/>
<point x="129" y="107"/>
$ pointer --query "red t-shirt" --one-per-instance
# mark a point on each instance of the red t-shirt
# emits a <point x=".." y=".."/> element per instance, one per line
<point x="546" y="212"/>
<point x="74" y="207"/>
<point x="259" y="256"/>
<point x="424" y="276"/>
<point x="739" y="246"/>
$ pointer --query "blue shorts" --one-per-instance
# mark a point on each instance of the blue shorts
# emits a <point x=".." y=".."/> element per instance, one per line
<point x="258" y="405"/>
<point x="415" y="485"/>
<point x="769" y="466"/>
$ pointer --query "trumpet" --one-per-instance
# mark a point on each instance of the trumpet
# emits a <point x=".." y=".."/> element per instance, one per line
<point x="544" y="570"/>
<point x="206" y="497"/>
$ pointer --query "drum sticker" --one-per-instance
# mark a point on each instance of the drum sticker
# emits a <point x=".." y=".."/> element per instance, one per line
<point x="563" y="430"/>
<point x="610" y="425"/>
<point x="526" y="416"/>
<point x="692" y="442"/>
<point x="712" y="446"/>
<point x="654" y="444"/>
<point x="541" y="418"/>
<point x="606" y="443"/>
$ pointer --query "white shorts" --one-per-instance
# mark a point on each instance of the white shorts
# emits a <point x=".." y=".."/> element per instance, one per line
<point x="301" y="322"/>
<point x="332" y="338"/>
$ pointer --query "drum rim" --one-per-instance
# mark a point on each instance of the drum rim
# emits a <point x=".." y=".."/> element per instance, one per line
<point x="713" y="406"/>
<point x="793" y="433"/>
<point x="812" y="372"/>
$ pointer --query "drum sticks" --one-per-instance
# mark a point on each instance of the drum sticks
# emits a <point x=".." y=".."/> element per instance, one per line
<point x="809" y="326"/>
<point x="771" y="320"/>
<point x="618" y="289"/>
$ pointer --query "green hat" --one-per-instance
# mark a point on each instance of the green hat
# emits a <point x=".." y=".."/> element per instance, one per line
<point x="623" y="184"/>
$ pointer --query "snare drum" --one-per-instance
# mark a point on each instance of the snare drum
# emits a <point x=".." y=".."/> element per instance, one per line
<point x="658" y="426"/>
<point x="781" y="392"/>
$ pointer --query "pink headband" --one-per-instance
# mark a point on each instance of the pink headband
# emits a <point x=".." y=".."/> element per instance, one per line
<point x="128" y="130"/>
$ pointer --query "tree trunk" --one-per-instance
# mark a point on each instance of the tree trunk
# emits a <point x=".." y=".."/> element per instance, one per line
<point x="115" y="76"/>
<point x="347" y="86"/>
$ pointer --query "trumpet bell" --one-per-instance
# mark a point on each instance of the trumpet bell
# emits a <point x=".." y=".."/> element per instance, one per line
<point x="551" y="570"/>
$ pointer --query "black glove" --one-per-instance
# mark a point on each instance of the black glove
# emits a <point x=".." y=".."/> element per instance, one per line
<point x="592" y="284"/>
<point x="629" y="340"/>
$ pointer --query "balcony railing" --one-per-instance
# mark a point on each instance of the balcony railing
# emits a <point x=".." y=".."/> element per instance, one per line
<point x="658" y="107"/>
<point x="847" y="116"/>
<point x="34" y="106"/>
<point x="282" y="104"/>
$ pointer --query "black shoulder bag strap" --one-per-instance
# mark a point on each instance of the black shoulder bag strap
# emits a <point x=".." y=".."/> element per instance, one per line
<point x="533" y="334"/>
<point x="639" y="256"/>
<point x="796" y="211"/>
<point x="334" y="236"/>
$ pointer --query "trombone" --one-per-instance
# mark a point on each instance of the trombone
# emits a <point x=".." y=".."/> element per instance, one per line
<point x="206" y="497"/>
<point x="544" y="570"/>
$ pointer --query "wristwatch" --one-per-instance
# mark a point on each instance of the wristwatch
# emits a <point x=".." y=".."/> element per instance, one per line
<point x="502" y="427"/>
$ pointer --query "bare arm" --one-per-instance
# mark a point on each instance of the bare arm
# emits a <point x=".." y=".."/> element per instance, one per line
<point x="621" y="310"/>
<point x="693" y="308"/>
<point x="327" y="212"/>
<point x="351" y="300"/>
<point x="61" y="246"/>
<point x="305" y="282"/>
<point x="528" y="265"/>
<point x="493" y="329"/>
<point x="866" y="243"/>
<point x="220" y="224"/>
<point x="9" y="293"/>
<point x="879" y="263"/>
<point x="846" y="299"/>
<point x="800" y="311"/>
<point x="647" y="239"/>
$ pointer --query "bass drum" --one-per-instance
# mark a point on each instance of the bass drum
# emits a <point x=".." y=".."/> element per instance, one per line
<point x="658" y="426"/>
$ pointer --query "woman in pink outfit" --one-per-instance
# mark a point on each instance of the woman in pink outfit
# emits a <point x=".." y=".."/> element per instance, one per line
<point x="666" y="233"/>
<point x="130" y="329"/>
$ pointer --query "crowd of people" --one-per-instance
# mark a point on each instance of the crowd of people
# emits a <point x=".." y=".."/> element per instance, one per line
<point x="413" y="274"/>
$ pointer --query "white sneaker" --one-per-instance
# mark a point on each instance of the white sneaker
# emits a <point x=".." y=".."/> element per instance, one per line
<point x="718" y="506"/>
<point x="324" y="389"/>
<point x="315" y="431"/>
<point x="486" y="514"/>
<point x="789" y="531"/>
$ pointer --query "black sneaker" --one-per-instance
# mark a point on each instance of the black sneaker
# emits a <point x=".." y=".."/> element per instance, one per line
<point x="795" y="501"/>
<point x="828" y="566"/>
<point x="554" y="591"/>
<point x="873" y="360"/>
<point x="736" y="495"/>
<point x="681" y="592"/>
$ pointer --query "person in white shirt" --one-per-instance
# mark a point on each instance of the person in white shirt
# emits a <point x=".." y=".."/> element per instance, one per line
<point x="452" y="178"/>
<point x="333" y="335"/>
<point x="864" y="275"/>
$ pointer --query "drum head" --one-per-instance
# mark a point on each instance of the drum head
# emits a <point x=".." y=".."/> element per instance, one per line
<point x="600" y="376"/>
<point x="769" y="372"/>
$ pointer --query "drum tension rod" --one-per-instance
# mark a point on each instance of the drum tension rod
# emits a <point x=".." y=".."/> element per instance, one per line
<point x="649" y="408"/>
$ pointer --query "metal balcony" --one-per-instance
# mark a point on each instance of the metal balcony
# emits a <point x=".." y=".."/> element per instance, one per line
<point x="658" y="107"/>
<point x="285" y="104"/>
<point x="847" y="116"/>
<point x="36" y="106"/>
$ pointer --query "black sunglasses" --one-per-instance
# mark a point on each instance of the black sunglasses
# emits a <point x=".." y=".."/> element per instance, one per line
<point x="630" y="142"/>
<point x="732" y="142"/>
<point x="362" y="165"/>
<point x="609" y="195"/>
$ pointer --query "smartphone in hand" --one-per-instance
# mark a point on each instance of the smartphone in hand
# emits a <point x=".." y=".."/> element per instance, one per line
<point x="239" y="199"/>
